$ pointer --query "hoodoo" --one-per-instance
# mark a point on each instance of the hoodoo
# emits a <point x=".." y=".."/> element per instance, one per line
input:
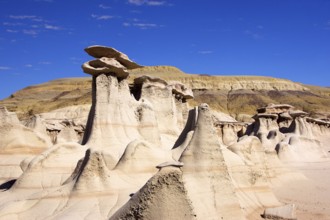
<point x="140" y="151"/>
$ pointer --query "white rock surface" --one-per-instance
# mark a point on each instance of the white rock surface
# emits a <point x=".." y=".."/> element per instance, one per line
<point x="145" y="154"/>
<point x="287" y="212"/>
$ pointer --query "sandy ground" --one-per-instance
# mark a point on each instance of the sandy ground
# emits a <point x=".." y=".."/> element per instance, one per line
<point x="311" y="196"/>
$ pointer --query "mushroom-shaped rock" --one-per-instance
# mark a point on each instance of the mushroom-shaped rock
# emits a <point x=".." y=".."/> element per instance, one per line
<point x="275" y="108"/>
<point x="170" y="164"/>
<point x="233" y="123"/>
<point x="297" y="113"/>
<point x="105" y="65"/>
<point x="143" y="79"/>
<point x="317" y="121"/>
<point x="285" y="116"/>
<point x="181" y="90"/>
<point x="98" y="51"/>
<point x="265" y="115"/>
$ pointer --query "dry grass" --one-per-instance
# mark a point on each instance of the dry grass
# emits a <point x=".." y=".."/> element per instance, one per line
<point x="49" y="96"/>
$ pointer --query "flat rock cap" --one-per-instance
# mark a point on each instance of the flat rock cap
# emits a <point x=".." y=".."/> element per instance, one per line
<point x="265" y="115"/>
<point x="170" y="164"/>
<point x="297" y="113"/>
<point x="145" y="78"/>
<point x="181" y="89"/>
<point x="98" y="51"/>
<point x="105" y="65"/>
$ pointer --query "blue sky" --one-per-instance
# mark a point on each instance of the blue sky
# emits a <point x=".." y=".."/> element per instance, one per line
<point x="41" y="40"/>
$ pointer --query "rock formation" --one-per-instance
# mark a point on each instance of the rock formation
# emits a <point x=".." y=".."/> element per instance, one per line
<point x="61" y="125"/>
<point x="141" y="152"/>
<point x="16" y="144"/>
<point x="206" y="175"/>
<point x="163" y="197"/>
<point x="295" y="136"/>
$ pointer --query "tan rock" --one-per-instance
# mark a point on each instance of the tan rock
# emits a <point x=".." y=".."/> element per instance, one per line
<point x="297" y="113"/>
<point x="163" y="197"/>
<point x="7" y="117"/>
<point x="209" y="165"/>
<point x="170" y="164"/>
<point x="275" y="109"/>
<point x="179" y="89"/>
<point x="205" y="174"/>
<point x="286" y="212"/>
<point x="96" y="67"/>
<point x="108" y="52"/>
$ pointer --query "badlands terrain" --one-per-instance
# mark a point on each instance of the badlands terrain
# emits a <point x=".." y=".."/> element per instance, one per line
<point x="134" y="142"/>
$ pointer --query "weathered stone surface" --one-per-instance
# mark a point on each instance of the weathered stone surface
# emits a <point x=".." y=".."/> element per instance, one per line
<point x="109" y="61"/>
<point x="275" y="108"/>
<point x="297" y="113"/>
<point x="105" y="65"/>
<point x="108" y="52"/>
<point x="286" y="212"/>
<point x="285" y="116"/>
<point x="181" y="90"/>
<point x="317" y="121"/>
<point x="163" y="197"/>
<point x="206" y="175"/>
<point x="7" y="117"/>
<point x="170" y="164"/>
<point x="265" y="115"/>
<point x="134" y="129"/>
<point x="149" y="79"/>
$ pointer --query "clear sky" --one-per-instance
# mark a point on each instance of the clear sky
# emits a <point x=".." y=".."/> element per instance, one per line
<point x="41" y="40"/>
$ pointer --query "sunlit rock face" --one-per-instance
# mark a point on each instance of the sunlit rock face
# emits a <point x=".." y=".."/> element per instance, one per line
<point x="151" y="109"/>
<point x="289" y="132"/>
<point x="141" y="152"/>
<point x="205" y="173"/>
<point x="17" y="143"/>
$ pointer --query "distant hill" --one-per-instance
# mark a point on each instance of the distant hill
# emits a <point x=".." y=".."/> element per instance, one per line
<point x="230" y="94"/>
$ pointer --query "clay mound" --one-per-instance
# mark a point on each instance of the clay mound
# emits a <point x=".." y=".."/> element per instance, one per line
<point x="205" y="174"/>
<point x="48" y="169"/>
<point x="141" y="156"/>
<point x="162" y="197"/>
<point x="18" y="139"/>
<point x="17" y="143"/>
<point x="91" y="173"/>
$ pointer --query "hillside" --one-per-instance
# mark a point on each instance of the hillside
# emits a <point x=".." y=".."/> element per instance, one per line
<point x="230" y="94"/>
